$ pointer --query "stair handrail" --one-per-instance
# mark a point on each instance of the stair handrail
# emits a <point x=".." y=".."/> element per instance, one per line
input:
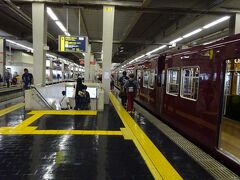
<point x="41" y="97"/>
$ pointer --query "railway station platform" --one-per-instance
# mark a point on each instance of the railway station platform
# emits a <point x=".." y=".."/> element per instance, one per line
<point x="49" y="144"/>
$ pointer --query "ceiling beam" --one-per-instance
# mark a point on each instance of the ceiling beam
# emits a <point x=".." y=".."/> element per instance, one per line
<point x="84" y="3"/>
<point x="135" y="20"/>
<point x="130" y="42"/>
<point x="126" y="6"/>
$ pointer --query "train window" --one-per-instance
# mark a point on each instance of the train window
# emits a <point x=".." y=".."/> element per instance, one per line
<point x="190" y="83"/>
<point x="139" y="76"/>
<point x="151" y="79"/>
<point x="173" y="75"/>
<point x="145" y="78"/>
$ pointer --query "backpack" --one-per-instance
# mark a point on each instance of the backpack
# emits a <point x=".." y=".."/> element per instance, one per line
<point x="123" y="80"/>
<point x="131" y="86"/>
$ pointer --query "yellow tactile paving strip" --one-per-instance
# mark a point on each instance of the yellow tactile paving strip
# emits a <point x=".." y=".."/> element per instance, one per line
<point x="24" y="127"/>
<point x="69" y="112"/>
<point x="156" y="162"/>
<point x="11" y="108"/>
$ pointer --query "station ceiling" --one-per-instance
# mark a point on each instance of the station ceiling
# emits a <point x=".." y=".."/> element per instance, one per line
<point x="137" y="22"/>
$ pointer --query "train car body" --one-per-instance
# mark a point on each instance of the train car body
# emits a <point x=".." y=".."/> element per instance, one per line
<point x="197" y="92"/>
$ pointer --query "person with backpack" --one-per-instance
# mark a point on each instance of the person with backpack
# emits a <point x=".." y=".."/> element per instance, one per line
<point x="79" y="94"/>
<point x="122" y="94"/>
<point x="131" y="87"/>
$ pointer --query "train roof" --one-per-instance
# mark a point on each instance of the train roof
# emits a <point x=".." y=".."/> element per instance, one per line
<point x="191" y="50"/>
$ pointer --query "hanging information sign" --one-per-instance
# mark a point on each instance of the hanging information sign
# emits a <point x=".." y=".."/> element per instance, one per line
<point x="76" y="44"/>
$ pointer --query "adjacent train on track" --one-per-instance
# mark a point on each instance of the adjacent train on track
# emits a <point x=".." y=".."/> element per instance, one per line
<point x="197" y="92"/>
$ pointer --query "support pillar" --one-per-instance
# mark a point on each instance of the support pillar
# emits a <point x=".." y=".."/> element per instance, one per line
<point x="87" y="63"/>
<point x="2" y="57"/>
<point x="234" y="24"/>
<point x="108" y="25"/>
<point x="39" y="24"/>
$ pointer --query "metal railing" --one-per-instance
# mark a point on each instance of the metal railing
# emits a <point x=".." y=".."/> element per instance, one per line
<point x="41" y="97"/>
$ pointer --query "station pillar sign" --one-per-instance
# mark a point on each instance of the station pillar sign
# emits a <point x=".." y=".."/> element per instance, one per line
<point x="75" y="44"/>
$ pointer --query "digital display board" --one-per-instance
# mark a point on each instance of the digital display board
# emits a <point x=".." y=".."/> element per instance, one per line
<point x="70" y="91"/>
<point x="75" y="44"/>
<point x="92" y="92"/>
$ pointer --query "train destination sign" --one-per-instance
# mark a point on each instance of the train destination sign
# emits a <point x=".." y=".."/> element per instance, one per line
<point x="75" y="44"/>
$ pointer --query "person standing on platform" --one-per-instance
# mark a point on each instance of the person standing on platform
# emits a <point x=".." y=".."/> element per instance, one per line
<point x="131" y="87"/>
<point x="122" y="94"/>
<point x="7" y="77"/>
<point x="85" y="99"/>
<point x="78" y="94"/>
<point x="65" y="104"/>
<point x="27" y="79"/>
<point x="112" y="83"/>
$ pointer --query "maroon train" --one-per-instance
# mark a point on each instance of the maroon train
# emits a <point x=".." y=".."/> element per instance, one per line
<point x="197" y="92"/>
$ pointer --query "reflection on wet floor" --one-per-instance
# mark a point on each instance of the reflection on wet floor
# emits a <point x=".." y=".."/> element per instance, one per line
<point x="187" y="167"/>
<point x="107" y="120"/>
<point x="70" y="157"/>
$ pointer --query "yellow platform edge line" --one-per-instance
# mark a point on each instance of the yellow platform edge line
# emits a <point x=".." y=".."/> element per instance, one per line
<point x="153" y="157"/>
<point x="11" y="108"/>
<point x="64" y="112"/>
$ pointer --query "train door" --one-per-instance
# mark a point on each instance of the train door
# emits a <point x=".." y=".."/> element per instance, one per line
<point x="161" y="80"/>
<point x="229" y="141"/>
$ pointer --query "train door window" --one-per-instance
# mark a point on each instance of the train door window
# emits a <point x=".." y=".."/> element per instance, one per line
<point x="151" y="79"/>
<point x="173" y="78"/>
<point x="229" y="141"/>
<point x="163" y="77"/>
<point x="145" y="78"/>
<point x="139" y="76"/>
<point x="190" y="83"/>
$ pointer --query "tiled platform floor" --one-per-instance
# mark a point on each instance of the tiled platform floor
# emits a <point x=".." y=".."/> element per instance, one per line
<point x="70" y="157"/>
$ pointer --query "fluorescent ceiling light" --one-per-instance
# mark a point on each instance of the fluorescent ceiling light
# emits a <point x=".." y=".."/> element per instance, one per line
<point x="61" y="26"/>
<point x="52" y="14"/>
<point x="49" y="55"/>
<point x="155" y="50"/>
<point x="176" y="40"/>
<point x="139" y="57"/>
<point x="216" y="22"/>
<point x="192" y="33"/>
<point x="67" y="34"/>
<point x="18" y="44"/>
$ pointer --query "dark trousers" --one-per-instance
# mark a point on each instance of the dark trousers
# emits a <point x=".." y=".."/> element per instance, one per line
<point x="8" y="83"/>
<point x="80" y="103"/>
<point x="123" y="100"/>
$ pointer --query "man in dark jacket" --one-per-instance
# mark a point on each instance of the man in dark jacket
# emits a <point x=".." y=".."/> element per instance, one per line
<point x="78" y="94"/>
<point x="27" y="79"/>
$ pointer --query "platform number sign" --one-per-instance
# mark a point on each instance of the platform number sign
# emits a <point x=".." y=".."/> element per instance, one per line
<point x="76" y="44"/>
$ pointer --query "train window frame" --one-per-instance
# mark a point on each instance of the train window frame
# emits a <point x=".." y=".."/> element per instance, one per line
<point x="139" y="76"/>
<point x="168" y="80"/>
<point x="147" y="72"/>
<point x="153" y="77"/>
<point x="192" y="77"/>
